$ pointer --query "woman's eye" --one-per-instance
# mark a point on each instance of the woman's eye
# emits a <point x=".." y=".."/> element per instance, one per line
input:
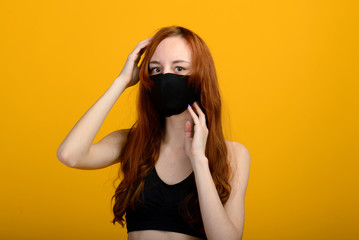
<point x="180" y="68"/>
<point x="152" y="69"/>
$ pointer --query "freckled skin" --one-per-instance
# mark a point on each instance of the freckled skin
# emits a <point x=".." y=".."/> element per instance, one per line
<point x="169" y="50"/>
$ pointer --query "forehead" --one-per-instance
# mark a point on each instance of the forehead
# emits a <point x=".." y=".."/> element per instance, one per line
<point x="172" y="48"/>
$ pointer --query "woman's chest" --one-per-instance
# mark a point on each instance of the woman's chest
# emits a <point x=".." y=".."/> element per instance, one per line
<point x="173" y="168"/>
<point x="162" y="198"/>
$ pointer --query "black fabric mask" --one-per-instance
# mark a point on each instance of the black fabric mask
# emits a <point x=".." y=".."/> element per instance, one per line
<point x="171" y="94"/>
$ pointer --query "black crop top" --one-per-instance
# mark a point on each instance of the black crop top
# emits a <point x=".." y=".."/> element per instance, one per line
<point x="161" y="207"/>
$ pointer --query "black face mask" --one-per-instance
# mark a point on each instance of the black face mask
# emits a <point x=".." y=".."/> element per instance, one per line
<point x="171" y="94"/>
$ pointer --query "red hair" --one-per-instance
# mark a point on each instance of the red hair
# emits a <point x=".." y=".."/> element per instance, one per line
<point x="141" y="150"/>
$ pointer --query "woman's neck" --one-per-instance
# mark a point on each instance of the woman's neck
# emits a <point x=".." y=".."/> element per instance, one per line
<point x="174" y="131"/>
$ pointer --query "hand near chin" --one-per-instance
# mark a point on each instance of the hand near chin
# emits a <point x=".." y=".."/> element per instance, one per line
<point x="195" y="142"/>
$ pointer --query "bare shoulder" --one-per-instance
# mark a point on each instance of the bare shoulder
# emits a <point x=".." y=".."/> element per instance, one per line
<point x="237" y="153"/>
<point x="240" y="160"/>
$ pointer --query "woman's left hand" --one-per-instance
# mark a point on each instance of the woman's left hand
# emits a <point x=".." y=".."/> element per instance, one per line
<point x="195" y="145"/>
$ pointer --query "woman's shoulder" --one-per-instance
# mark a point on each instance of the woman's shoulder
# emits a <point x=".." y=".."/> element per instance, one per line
<point x="238" y="154"/>
<point x="234" y="146"/>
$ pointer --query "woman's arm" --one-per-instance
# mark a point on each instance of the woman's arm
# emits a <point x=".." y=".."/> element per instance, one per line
<point x="78" y="141"/>
<point x="223" y="222"/>
<point x="77" y="145"/>
<point x="220" y="222"/>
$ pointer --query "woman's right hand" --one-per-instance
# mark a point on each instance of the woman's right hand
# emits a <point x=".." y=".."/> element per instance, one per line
<point x="130" y="71"/>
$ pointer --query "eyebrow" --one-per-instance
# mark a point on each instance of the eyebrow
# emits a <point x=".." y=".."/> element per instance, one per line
<point x="176" y="61"/>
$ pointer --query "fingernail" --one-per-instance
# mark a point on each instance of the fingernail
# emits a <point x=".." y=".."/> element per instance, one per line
<point x="189" y="106"/>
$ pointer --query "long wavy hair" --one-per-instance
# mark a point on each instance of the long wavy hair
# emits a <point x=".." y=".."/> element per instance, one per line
<point x="141" y="149"/>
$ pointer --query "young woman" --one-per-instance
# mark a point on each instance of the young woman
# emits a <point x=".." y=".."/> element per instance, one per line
<point x="181" y="178"/>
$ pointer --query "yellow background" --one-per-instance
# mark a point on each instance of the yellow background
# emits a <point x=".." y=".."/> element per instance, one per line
<point x="288" y="73"/>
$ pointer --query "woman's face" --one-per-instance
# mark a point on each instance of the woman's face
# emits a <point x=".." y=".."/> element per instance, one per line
<point x="172" y="55"/>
